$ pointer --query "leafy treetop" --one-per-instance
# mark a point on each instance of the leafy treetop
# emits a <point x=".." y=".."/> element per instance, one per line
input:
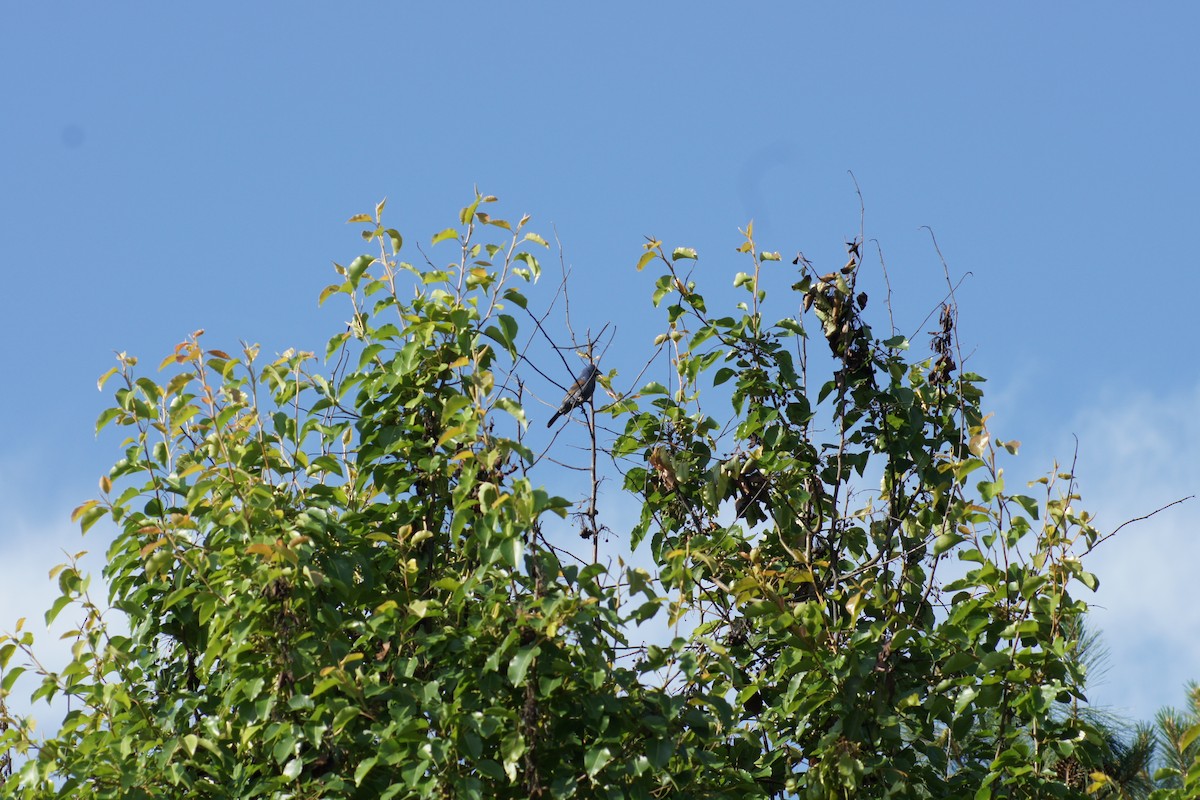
<point x="347" y="581"/>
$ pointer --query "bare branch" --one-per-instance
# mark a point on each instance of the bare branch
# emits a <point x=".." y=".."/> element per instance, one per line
<point x="1105" y="538"/>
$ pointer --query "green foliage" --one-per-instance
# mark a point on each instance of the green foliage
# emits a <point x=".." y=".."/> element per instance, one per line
<point x="337" y="583"/>
<point x="1178" y="739"/>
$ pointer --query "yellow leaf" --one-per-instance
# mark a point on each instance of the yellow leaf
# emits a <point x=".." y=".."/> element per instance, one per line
<point x="150" y="548"/>
<point x="103" y="378"/>
<point x="448" y="233"/>
<point x="449" y="434"/>
<point x="328" y="291"/>
<point x="83" y="509"/>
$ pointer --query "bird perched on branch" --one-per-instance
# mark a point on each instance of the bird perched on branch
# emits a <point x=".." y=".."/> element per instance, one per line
<point x="579" y="393"/>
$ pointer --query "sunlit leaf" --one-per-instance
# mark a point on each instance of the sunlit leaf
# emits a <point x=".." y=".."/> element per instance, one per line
<point x="357" y="267"/>
<point x="448" y="233"/>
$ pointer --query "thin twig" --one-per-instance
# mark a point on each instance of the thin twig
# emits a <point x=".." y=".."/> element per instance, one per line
<point x="1136" y="519"/>
<point x="888" y="284"/>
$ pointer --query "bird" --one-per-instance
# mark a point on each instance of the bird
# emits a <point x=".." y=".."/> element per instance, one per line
<point x="579" y="393"/>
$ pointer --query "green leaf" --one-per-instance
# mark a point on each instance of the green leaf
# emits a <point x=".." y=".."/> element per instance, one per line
<point x="90" y="517"/>
<point x="519" y="664"/>
<point x="989" y="489"/>
<point x="659" y="751"/>
<point x="683" y="252"/>
<point x="512" y="407"/>
<point x="448" y="233"/>
<point x="10" y="678"/>
<point x="357" y="267"/>
<point x="945" y="542"/>
<point x="364" y="767"/>
<point x="595" y="759"/>
<point x="510" y="551"/>
<point x="1027" y="503"/>
<point x="965" y="698"/>
<point x="396" y="239"/>
<point x="509" y="326"/>
<point x="662" y="287"/>
<point x="965" y="468"/>
<point x="344" y="716"/>
<point x="107" y="416"/>
<point x="61" y="602"/>
<point x="1188" y="738"/>
<point x="516" y="298"/>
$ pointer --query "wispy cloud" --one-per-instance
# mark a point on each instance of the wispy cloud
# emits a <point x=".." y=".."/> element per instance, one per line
<point x="35" y="539"/>
<point x="1137" y="453"/>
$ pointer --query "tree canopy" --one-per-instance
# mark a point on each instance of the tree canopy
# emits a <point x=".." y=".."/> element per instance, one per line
<point x="341" y="577"/>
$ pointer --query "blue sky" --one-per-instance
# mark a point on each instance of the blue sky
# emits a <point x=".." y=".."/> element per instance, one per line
<point x="168" y="168"/>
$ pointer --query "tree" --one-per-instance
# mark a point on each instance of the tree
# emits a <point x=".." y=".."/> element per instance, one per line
<point x="346" y="581"/>
<point x="1177" y="734"/>
<point x="1121" y="768"/>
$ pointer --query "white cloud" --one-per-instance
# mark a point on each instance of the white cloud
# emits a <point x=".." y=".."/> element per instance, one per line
<point x="32" y="545"/>
<point x="1138" y="453"/>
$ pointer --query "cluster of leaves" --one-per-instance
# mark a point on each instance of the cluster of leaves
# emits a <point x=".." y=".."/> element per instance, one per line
<point x="328" y="581"/>
<point x="859" y="671"/>
<point x="337" y="584"/>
